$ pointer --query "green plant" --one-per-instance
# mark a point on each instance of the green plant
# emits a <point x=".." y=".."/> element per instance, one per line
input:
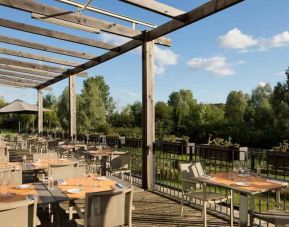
<point x="283" y="147"/>
<point x="222" y="142"/>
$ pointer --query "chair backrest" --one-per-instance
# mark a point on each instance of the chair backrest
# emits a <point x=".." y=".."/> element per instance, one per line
<point x="20" y="213"/>
<point x="9" y="175"/>
<point x="45" y="156"/>
<point x="120" y="160"/>
<point x="107" y="209"/>
<point x="189" y="170"/>
<point x="63" y="172"/>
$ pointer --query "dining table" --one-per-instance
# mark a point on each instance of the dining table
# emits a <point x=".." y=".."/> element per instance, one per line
<point x="66" y="190"/>
<point x="247" y="185"/>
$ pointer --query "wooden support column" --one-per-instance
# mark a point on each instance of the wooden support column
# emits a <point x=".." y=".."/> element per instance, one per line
<point x="148" y="80"/>
<point x="40" y="112"/>
<point x="72" y="108"/>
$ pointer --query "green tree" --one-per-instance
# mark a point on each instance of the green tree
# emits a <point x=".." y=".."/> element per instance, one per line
<point x="280" y="105"/>
<point x="63" y="109"/>
<point x="235" y="107"/>
<point x="91" y="104"/>
<point x="164" y="123"/>
<point x="50" y="118"/>
<point x="183" y="108"/>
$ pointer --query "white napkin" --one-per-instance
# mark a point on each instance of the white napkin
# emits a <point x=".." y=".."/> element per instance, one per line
<point x="278" y="182"/>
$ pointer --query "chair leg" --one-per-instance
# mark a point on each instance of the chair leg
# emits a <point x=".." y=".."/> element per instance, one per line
<point x="130" y="177"/>
<point x="182" y="206"/>
<point x="205" y="213"/>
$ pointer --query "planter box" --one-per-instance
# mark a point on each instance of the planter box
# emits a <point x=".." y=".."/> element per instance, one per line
<point x="277" y="159"/>
<point x="222" y="153"/>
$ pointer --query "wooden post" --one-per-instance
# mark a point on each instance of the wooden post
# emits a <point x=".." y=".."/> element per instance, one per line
<point x="40" y="112"/>
<point x="72" y="108"/>
<point x="148" y="81"/>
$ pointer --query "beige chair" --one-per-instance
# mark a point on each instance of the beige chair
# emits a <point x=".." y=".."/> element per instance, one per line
<point x="120" y="163"/>
<point x="66" y="172"/>
<point x="20" y="213"/>
<point x="107" y="209"/>
<point x="193" y="190"/>
<point x="44" y="156"/>
<point x="10" y="176"/>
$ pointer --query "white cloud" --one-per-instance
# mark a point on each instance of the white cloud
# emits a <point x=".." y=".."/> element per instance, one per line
<point x="236" y="39"/>
<point x="216" y="65"/>
<point x="261" y="84"/>
<point x="113" y="39"/>
<point x="164" y="58"/>
<point x="280" y="40"/>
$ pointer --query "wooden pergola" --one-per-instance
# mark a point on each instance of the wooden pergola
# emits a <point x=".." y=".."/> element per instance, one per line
<point x="32" y="75"/>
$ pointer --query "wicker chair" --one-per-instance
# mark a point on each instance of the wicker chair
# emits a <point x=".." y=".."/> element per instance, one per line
<point x="120" y="163"/>
<point x="193" y="190"/>
<point x="107" y="209"/>
<point x="20" y="213"/>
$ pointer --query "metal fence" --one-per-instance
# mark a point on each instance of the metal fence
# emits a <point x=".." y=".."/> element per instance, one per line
<point x="168" y="155"/>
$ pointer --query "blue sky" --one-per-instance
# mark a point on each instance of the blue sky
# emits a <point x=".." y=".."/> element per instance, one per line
<point x="237" y="49"/>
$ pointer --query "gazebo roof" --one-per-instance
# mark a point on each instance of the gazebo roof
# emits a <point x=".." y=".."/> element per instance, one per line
<point x="19" y="106"/>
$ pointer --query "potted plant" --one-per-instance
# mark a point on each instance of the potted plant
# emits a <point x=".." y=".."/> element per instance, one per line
<point x="278" y="156"/>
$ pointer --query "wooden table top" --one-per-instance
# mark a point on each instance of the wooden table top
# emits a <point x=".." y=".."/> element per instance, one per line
<point x="87" y="184"/>
<point x="252" y="184"/>
<point x="59" y="192"/>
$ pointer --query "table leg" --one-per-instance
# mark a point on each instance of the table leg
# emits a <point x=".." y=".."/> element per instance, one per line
<point x="252" y="209"/>
<point x="232" y="208"/>
<point x="243" y="210"/>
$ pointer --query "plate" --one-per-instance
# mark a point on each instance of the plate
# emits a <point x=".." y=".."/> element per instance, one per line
<point x="102" y="178"/>
<point x="23" y="186"/>
<point x="243" y="175"/>
<point x="74" y="190"/>
<point x="242" y="184"/>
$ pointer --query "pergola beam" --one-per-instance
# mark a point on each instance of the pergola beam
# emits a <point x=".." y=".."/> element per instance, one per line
<point x="29" y="71"/>
<point x="54" y="34"/>
<point x="6" y="82"/>
<point x="37" y="57"/>
<point x="156" y="7"/>
<point x="15" y="79"/>
<point x="42" y="47"/>
<point x="30" y="65"/>
<point x="194" y="15"/>
<point x="74" y="17"/>
<point x="23" y="76"/>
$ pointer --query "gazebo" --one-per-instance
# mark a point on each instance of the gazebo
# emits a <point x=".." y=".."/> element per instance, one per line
<point x="20" y="107"/>
<point x="40" y="76"/>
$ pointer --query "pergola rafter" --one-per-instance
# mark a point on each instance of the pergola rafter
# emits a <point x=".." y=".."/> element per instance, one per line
<point x="47" y="48"/>
<point x="37" y="57"/>
<point x="146" y="39"/>
<point x="54" y="34"/>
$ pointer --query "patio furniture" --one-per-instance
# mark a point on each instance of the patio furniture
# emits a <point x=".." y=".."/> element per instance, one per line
<point x="279" y="215"/>
<point x="120" y="163"/>
<point x="20" y="213"/>
<point x="10" y="176"/>
<point x="45" y="156"/>
<point x="107" y="209"/>
<point x="62" y="170"/>
<point x="193" y="190"/>
<point x="248" y="187"/>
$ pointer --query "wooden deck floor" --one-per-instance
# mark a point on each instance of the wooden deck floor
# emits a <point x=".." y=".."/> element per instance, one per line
<point x="154" y="210"/>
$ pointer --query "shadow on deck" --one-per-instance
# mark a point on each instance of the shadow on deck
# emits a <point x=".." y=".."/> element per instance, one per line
<point x="154" y="210"/>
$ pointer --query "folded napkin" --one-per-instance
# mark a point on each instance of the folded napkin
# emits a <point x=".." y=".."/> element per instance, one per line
<point x="208" y="177"/>
<point x="120" y="185"/>
<point x="278" y="182"/>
